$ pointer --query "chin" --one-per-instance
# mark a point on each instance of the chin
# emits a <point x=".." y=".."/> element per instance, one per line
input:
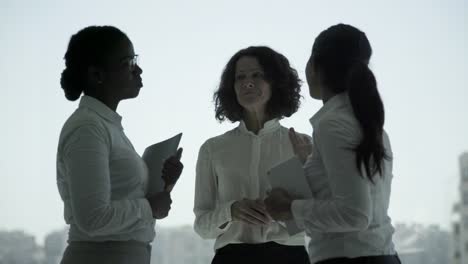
<point x="315" y="94"/>
<point x="132" y="95"/>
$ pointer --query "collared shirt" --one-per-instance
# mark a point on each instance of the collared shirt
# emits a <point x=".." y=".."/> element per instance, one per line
<point x="234" y="166"/>
<point x="101" y="178"/>
<point x="347" y="216"/>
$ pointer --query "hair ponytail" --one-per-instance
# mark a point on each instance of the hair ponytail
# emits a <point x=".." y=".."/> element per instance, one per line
<point x="369" y="111"/>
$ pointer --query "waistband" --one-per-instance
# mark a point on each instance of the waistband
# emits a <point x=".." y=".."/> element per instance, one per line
<point x="384" y="259"/>
<point x="108" y="244"/>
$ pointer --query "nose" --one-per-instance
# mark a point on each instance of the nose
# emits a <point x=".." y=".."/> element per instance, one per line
<point x="138" y="69"/>
<point x="249" y="85"/>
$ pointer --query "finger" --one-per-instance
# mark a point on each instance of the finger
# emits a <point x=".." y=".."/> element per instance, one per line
<point x="260" y="207"/>
<point x="172" y="161"/>
<point x="293" y="131"/>
<point x="292" y="135"/>
<point x="172" y="168"/>
<point x="261" y="204"/>
<point x="179" y="153"/>
<point x="254" y="214"/>
<point x="176" y="165"/>
<point x="294" y="140"/>
<point x="249" y="219"/>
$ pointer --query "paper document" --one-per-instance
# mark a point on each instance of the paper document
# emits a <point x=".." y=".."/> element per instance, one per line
<point x="289" y="175"/>
<point x="154" y="157"/>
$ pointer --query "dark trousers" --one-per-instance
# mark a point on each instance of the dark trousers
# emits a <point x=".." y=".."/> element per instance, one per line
<point x="108" y="252"/>
<point x="261" y="253"/>
<point x="394" y="259"/>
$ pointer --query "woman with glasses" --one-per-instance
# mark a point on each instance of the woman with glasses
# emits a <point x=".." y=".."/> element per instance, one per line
<point x="258" y="88"/>
<point x="101" y="178"/>
<point x="350" y="168"/>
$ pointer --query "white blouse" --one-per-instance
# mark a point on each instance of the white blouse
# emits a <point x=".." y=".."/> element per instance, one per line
<point x="101" y="178"/>
<point x="234" y="166"/>
<point x="347" y="216"/>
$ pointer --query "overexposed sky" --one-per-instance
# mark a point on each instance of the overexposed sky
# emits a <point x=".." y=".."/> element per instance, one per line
<point x="420" y="61"/>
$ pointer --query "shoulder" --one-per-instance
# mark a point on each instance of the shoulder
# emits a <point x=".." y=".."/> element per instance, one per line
<point x="81" y="123"/>
<point x="219" y="141"/>
<point x="338" y="125"/>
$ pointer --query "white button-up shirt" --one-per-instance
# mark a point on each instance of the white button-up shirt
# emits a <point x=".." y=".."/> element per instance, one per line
<point x="101" y="179"/>
<point x="234" y="166"/>
<point x="347" y="216"/>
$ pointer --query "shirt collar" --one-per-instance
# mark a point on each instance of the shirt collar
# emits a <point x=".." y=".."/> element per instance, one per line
<point x="269" y="126"/>
<point x="332" y="103"/>
<point x="101" y="109"/>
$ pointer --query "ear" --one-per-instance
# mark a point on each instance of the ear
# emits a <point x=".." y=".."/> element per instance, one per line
<point x="95" y="76"/>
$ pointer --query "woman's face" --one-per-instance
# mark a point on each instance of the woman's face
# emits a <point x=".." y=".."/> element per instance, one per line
<point x="252" y="90"/>
<point x="122" y="77"/>
<point x="313" y="80"/>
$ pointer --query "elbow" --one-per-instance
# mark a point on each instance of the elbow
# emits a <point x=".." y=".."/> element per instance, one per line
<point x="200" y="230"/>
<point x="87" y="227"/>
<point x="357" y="220"/>
<point x="91" y="223"/>
<point x="204" y="230"/>
<point x="362" y="223"/>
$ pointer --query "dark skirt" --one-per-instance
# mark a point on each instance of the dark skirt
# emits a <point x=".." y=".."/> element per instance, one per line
<point x="270" y="252"/>
<point x="392" y="259"/>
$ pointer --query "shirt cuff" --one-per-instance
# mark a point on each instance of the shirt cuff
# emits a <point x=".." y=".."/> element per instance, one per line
<point x="227" y="216"/>
<point x="297" y="209"/>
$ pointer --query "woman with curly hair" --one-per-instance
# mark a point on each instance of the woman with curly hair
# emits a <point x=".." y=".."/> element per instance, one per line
<point x="258" y="88"/>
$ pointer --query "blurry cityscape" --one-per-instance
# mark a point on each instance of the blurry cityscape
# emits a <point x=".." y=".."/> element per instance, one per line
<point x="415" y="243"/>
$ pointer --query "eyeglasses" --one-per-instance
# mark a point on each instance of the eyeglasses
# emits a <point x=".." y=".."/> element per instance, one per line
<point x="131" y="61"/>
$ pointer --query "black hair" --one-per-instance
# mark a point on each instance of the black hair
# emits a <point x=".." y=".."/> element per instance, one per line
<point x="341" y="54"/>
<point x="283" y="79"/>
<point x="91" y="46"/>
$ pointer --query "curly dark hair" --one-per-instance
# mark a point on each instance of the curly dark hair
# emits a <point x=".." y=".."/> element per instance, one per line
<point x="283" y="79"/>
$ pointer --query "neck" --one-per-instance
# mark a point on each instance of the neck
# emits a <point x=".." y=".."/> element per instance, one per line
<point x="254" y="120"/>
<point x="326" y="94"/>
<point x="107" y="100"/>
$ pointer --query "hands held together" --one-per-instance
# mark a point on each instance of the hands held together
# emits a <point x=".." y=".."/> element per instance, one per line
<point x="250" y="211"/>
<point x="277" y="206"/>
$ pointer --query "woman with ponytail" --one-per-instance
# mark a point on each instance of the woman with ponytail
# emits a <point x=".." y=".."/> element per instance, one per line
<point x="349" y="169"/>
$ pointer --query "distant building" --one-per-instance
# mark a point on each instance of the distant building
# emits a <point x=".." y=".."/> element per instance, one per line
<point x="180" y="245"/>
<point x="19" y="248"/>
<point x="460" y="221"/>
<point x="54" y="246"/>
<point x="407" y="243"/>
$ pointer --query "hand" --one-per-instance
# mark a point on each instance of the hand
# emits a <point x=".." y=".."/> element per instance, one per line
<point x="250" y="211"/>
<point x="160" y="204"/>
<point x="302" y="146"/>
<point x="171" y="170"/>
<point x="278" y="204"/>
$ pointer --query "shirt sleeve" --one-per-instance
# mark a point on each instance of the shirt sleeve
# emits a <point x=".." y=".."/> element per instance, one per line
<point x="86" y="158"/>
<point x="212" y="218"/>
<point x="350" y="207"/>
